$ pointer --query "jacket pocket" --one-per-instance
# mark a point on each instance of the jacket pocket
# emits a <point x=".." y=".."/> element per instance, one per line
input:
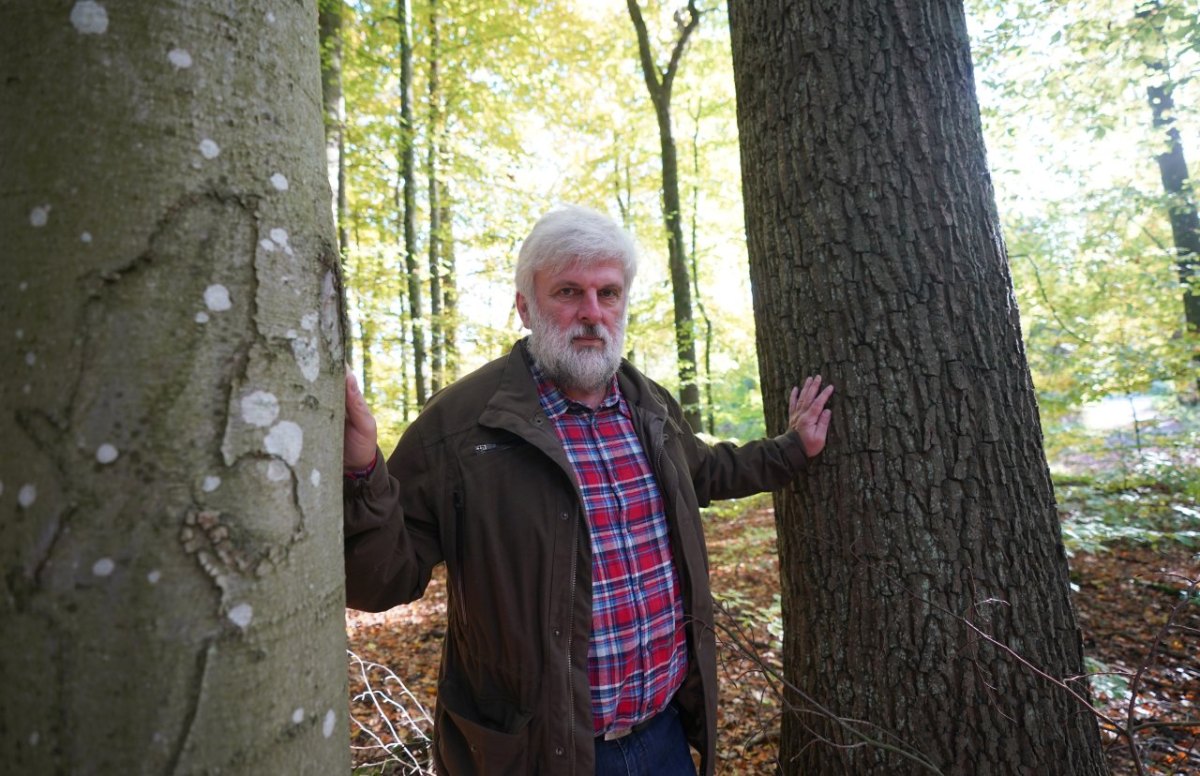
<point x="467" y="745"/>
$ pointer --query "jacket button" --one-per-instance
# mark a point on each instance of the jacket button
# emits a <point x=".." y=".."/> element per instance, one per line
<point x="558" y="750"/>
<point x="558" y="631"/>
<point x="563" y="516"/>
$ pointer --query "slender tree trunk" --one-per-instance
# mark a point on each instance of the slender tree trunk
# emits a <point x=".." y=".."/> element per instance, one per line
<point x="1181" y="207"/>
<point x="172" y="588"/>
<point x="709" y="404"/>
<point x="408" y="183"/>
<point x="928" y="528"/>
<point x="436" y="344"/>
<point x="659" y="84"/>
<point x="449" y="289"/>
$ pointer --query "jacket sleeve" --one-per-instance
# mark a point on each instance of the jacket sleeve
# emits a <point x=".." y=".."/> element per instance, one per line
<point x="391" y="536"/>
<point x="726" y="470"/>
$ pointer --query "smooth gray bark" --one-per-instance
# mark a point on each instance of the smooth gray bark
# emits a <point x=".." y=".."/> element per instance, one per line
<point x="172" y="590"/>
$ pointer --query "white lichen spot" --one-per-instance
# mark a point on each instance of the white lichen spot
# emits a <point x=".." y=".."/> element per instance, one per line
<point x="279" y="181"/>
<point x="154" y="576"/>
<point x="330" y="721"/>
<point x="85" y="237"/>
<point x="31" y="358"/>
<point x="308" y="357"/>
<point x="27" y="495"/>
<point x="216" y="298"/>
<point x="34" y="737"/>
<point x="309" y="321"/>
<point x="89" y="18"/>
<point x="103" y="567"/>
<point x="106" y="453"/>
<point x="23" y="286"/>
<point x="211" y="483"/>
<point x="270" y="17"/>
<point x="180" y="58"/>
<point x="209" y="149"/>
<point x="298" y="715"/>
<point x="285" y="440"/>
<point x="290" y="334"/>
<point x="260" y="408"/>
<point x="266" y="245"/>
<point x="201" y="317"/>
<point x="241" y="615"/>
<point x="39" y="215"/>
<point x="280" y="236"/>
<point x="315" y="478"/>
<point x="277" y="471"/>
<point x="19" y="334"/>
<point x="26" y="388"/>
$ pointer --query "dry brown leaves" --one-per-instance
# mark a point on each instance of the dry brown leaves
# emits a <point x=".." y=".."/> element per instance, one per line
<point x="1124" y="599"/>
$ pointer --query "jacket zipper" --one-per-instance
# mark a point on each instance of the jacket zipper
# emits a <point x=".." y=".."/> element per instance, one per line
<point x="459" y="526"/>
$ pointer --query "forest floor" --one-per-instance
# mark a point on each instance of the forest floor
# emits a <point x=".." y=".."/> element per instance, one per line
<point x="1124" y="596"/>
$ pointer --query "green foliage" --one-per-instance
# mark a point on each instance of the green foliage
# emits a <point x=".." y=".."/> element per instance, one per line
<point x="1140" y="487"/>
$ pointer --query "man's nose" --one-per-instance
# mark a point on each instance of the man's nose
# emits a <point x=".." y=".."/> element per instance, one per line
<point x="589" y="307"/>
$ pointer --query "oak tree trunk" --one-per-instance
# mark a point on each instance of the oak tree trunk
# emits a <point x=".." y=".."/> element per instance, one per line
<point x="928" y="528"/>
<point x="406" y="201"/>
<point x="172" y="590"/>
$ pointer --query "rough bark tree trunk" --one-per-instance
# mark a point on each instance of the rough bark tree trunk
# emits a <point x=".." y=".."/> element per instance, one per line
<point x="659" y="84"/>
<point x="449" y="289"/>
<point x="928" y="526"/>
<point x="172" y="588"/>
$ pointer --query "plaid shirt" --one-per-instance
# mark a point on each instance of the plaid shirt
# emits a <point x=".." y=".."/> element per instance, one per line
<point x="637" y="654"/>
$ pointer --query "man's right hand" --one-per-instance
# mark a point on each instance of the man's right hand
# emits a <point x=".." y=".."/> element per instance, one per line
<point x="361" y="435"/>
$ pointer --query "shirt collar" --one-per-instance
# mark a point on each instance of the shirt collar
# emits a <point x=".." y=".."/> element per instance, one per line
<point x="555" y="403"/>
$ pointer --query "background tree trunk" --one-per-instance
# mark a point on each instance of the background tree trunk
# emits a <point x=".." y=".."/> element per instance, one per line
<point x="172" y="596"/>
<point x="876" y="260"/>
<point x="659" y="84"/>
<point x="436" y="344"/>
<point x="407" y="187"/>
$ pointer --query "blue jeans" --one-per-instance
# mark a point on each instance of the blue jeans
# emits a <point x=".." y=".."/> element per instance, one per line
<point x="658" y="749"/>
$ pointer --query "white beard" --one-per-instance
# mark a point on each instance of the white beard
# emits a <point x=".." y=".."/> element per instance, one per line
<point x="586" y="369"/>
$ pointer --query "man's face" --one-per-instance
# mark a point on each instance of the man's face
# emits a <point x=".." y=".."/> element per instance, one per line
<point x="577" y="320"/>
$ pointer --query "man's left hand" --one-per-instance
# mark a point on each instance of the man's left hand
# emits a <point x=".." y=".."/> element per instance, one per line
<point x="807" y="414"/>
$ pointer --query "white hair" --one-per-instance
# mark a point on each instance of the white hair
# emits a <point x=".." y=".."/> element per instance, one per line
<point x="571" y="235"/>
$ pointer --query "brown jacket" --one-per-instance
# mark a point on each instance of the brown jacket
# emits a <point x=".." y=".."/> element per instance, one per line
<point x="480" y="482"/>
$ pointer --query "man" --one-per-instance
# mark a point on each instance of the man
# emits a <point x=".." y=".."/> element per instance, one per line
<point x="562" y="488"/>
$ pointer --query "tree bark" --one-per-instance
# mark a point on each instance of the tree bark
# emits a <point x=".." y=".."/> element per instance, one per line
<point x="330" y="15"/>
<point x="172" y="589"/>
<point x="659" y="84"/>
<point x="928" y="527"/>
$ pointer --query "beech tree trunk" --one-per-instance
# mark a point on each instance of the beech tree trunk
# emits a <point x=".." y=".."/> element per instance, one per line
<point x="172" y="589"/>
<point x="928" y="528"/>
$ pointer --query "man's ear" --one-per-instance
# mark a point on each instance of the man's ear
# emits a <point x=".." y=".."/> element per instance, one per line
<point x="523" y="310"/>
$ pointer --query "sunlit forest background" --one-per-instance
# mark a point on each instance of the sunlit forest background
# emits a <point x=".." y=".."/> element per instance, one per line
<point x="440" y="167"/>
<point x="519" y="106"/>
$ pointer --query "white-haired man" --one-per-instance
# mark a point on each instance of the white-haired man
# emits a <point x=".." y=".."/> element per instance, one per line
<point x="561" y="487"/>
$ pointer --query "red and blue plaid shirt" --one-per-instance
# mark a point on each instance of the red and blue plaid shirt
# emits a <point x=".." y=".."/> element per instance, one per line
<point x="637" y="654"/>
